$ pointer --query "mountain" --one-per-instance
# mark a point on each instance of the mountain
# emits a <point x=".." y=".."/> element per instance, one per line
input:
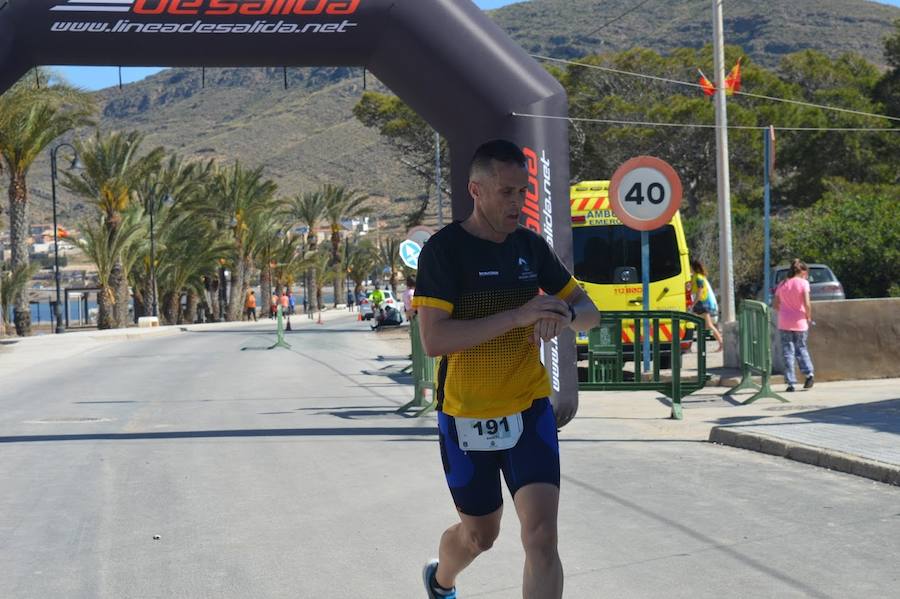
<point x="766" y="30"/>
<point x="306" y="135"/>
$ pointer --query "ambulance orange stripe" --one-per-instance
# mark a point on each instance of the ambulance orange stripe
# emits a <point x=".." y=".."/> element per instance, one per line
<point x="666" y="332"/>
<point x="584" y="203"/>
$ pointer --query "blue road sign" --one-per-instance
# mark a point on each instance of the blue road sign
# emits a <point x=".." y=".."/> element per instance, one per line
<point x="409" y="253"/>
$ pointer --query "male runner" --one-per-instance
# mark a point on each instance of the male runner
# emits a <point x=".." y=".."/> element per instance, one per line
<point x="480" y="308"/>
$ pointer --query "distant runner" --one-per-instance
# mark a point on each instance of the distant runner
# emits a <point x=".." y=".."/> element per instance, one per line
<point x="480" y="308"/>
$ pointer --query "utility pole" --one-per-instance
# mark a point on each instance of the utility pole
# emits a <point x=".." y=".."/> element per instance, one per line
<point x="437" y="179"/>
<point x="726" y="258"/>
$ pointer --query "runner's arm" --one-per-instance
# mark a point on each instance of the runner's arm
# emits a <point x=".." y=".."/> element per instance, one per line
<point x="587" y="316"/>
<point x="442" y="335"/>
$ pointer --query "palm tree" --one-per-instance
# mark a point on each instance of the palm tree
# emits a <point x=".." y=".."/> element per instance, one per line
<point x="190" y="248"/>
<point x="288" y="259"/>
<point x="389" y="255"/>
<point x="276" y="253"/>
<point x="308" y="209"/>
<point x="318" y="262"/>
<point x="361" y="262"/>
<point x="12" y="284"/>
<point x="113" y="169"/>
<point x="240" y="196"/>
<point x="105" y="247"/>
<point x="340" y="204"/>
<point x="177" y="182"/>
<point x="30" y="120"/>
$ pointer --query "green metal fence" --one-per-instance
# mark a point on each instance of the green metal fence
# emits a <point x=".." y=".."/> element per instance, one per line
<point x="607" y="355"/>
<point x="423" y="369"/>
<point x="279" y="340"/>
<point x="756" y="350"/>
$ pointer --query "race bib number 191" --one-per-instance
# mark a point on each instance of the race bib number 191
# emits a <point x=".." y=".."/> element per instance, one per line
<point x="489" y="434"/>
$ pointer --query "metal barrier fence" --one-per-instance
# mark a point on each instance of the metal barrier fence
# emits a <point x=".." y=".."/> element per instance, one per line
<point x="756" y="350"/>
<point x="423" y="369"/>
<point x="279" y="340"/>
<point x="607" y="355"/>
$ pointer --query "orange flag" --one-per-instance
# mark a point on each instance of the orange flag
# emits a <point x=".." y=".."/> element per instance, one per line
<point x="706" y="85"/>
<point x="733" y="81"/>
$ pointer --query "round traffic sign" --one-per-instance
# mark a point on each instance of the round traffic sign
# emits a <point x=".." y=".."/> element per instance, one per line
<point x="409" y="253"/>
<point x="420" y="234"/>
<point x="645" y="193"/>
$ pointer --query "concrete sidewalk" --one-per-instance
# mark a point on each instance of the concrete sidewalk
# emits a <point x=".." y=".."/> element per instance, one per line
<point x="849" y="426"/>
<point x="861" y="439"/>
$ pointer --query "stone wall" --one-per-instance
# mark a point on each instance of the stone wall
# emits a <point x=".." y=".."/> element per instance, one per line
<point x="852" y="339"/>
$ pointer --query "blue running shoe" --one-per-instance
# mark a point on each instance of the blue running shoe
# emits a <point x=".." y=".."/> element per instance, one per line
<point x="428" y="573"/>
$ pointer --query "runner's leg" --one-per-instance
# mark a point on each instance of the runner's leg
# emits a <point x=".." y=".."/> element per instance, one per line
<point x="712" y="327"/>
<point x="538" y="506"/>
<point x="463" y="542"/>
<point x="474" y="481"/>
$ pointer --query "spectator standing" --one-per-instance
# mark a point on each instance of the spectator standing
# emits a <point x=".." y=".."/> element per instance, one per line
<point x="408" y="295"/>
<point x="250" y="306"/>
<point x="705" y="303"/>
<point x="794" y="309"/>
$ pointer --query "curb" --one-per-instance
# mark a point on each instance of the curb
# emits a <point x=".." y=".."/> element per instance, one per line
<point x="807" y="454"/>
<point x="165" y="332"/>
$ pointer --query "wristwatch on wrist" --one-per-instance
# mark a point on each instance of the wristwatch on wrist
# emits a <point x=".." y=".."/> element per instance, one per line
<point x="572" y="313"/>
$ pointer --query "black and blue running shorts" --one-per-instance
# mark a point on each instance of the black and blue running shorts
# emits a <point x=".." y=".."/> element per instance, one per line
<point x="474" y="476"/>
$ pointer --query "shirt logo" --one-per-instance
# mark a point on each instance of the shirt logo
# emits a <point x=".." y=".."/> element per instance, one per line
<point x="525" y="272"/>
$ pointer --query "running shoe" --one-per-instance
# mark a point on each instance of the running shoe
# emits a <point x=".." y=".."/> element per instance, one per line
<point x="428" y="573"/>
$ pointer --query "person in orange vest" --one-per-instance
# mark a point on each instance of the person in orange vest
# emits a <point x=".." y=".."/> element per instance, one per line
<point x="250" y="306"/>
<point x="273" y="305"/>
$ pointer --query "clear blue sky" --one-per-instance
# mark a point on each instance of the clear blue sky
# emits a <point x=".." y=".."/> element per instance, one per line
<point x="99" y="77"/>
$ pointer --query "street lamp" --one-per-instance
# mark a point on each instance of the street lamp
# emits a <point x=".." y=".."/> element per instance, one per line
<point x="167" y="201"/>
<point x="60" y="328"/>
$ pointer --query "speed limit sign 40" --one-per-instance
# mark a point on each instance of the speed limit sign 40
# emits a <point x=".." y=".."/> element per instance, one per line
<point x="645" y="193"/>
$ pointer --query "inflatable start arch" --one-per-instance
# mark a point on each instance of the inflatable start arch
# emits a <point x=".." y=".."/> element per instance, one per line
<point x="444" y="58"/>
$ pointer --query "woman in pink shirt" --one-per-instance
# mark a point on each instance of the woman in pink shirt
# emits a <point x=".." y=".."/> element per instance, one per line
<point x="794" y="316"/>
<point x="408" y="297"/>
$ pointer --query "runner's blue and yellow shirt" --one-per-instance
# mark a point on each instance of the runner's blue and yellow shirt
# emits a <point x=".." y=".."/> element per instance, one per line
<point x="473" y="278"/>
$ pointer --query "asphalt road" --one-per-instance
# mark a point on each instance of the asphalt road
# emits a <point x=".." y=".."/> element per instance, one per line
<point x="184" y="467"/>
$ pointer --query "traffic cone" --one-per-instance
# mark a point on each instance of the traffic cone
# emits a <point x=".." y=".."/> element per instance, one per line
<point x="358" y="316"/>
<point x="288" y="327"/>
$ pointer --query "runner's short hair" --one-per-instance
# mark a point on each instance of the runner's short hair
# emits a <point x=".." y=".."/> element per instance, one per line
<point x="496" y="150"/>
